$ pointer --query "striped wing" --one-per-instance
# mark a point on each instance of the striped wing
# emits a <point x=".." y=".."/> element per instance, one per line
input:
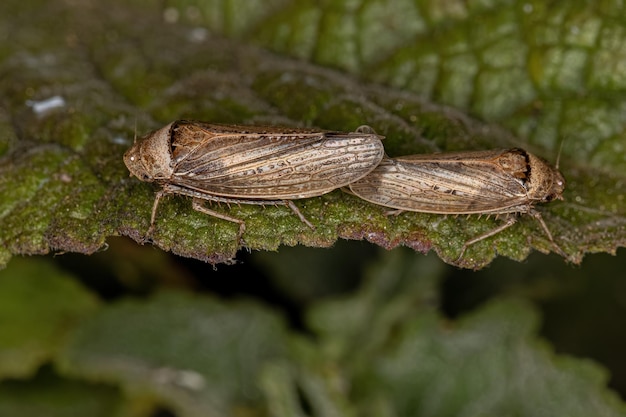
<point x="264" y="165"/>
<point x="460" y="183"/>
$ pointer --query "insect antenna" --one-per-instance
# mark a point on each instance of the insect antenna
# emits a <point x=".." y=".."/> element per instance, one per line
<point x="135" y="134"/>
<point x="558" y="155"/>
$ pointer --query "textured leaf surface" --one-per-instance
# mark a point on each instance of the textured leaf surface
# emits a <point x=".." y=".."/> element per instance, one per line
<point x="546" y="73"/>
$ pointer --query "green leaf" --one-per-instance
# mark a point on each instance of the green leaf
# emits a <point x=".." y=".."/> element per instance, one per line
<point x="399" y="356"/>
<point x="385" y="349"/>
<point x="546" y="73"/>
<point x="51" y="396"/>
<point x="195" y="355"/>
<point x="39" y="306"/>
<point x="490" y="361"/>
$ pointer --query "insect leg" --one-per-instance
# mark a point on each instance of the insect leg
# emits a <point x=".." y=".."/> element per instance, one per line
<point x="510" y="222"/>
<point x="295" y="210"/>
<point x="539" y="218"/>
<point x="198" y="205"/>
<point x="157" y="198"/>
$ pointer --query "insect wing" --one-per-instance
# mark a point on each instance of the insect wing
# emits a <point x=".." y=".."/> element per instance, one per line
<point x="455" y="183"/>
<point x="271" y="165"/>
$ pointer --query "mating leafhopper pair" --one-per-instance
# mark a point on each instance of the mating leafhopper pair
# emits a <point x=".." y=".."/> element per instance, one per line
<point x="271" y="165"/>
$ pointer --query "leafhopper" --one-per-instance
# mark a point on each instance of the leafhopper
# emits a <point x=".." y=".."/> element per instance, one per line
<point x="499" y="182"/>
<point x="250" y="164"/>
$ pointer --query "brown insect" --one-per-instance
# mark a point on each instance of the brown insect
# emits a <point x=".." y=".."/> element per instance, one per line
<point x="250" y="164"/>
<point x="496" y="182"/>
